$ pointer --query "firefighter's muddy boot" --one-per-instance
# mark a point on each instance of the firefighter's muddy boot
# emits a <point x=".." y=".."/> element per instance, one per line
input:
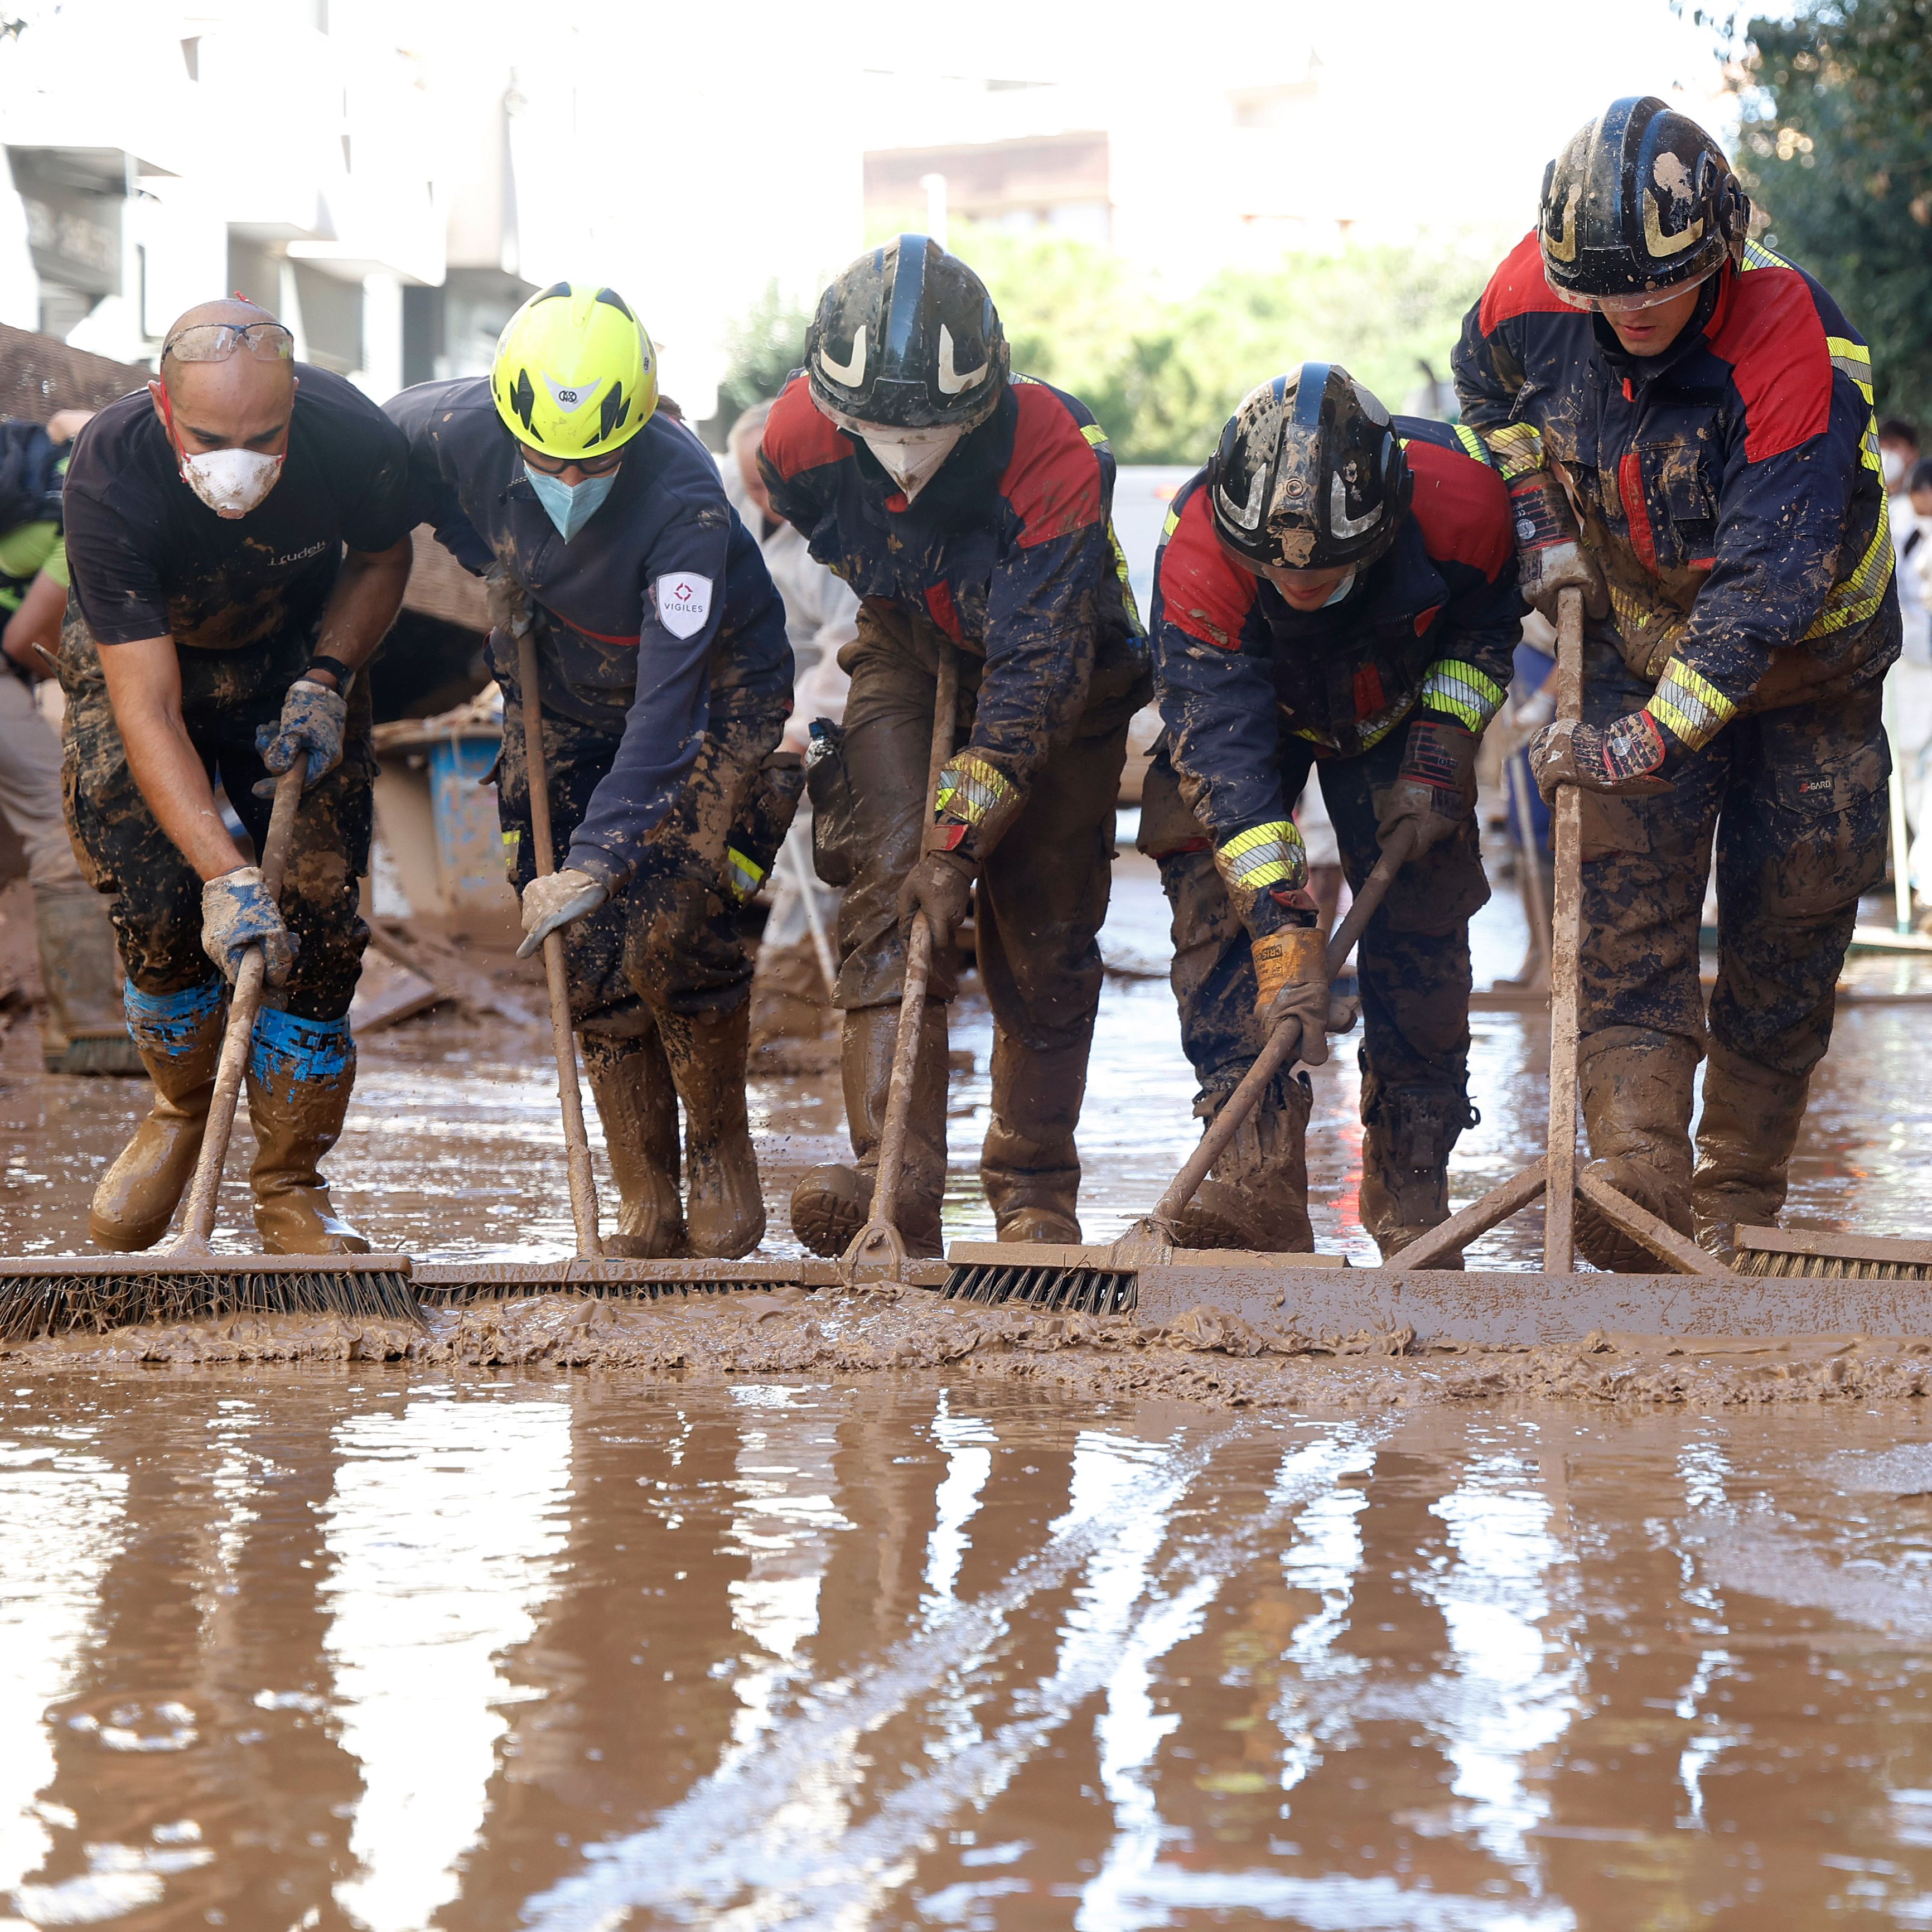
<point x="179" y="1035"/>
<point x="301" y="1073"/>
<point x="1407" y="1134"/>
<point x="86" y="1029"/>
<point x="630" y="1081"/>
<point x="1256" y="1194"/>
<point x="725" y="1207"/>
<point x="1028" y="1165"/>
<point x="1635" y="1085"/>
<point x="1744" y="1140"/>
<point x="830" y="1205"/>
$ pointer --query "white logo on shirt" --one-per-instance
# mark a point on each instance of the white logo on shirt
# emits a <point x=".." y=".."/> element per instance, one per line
<point x="684" y="602"/>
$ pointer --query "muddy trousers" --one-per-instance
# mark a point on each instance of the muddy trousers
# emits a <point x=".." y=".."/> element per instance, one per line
<point x="1415" y="977"/>
<point x="659" y="974"/>
<point x="1793" y="804"/>
<point x="1040" y="899"/>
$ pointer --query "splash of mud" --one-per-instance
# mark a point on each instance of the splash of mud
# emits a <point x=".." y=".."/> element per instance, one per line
<point x="1204" y="1356"/>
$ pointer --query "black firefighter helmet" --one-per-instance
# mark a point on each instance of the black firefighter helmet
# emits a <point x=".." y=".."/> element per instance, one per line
<point x="1309" y="474"/>
<point x="906" y="337"/>
<point x="1639" y="203"/>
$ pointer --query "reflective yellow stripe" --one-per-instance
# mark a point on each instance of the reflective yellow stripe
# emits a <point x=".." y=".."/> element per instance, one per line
<point x="1463" y="691"/>
<point x="743" y="875"/>
<point x="1517" y="448"/>
<point x="1472" y="442"/>
<point x="1859" y="597"/>
<point x="969" y="788"/>
<point x="1126" y="575"/>
<point x="1265" y="855"/>
<point x="1852" y="359"/>
<point x="1691" y="704"/>
<point x="1094" y="433"/>
<point x="1173" y="523"/>
<point x="1757" y="255"/>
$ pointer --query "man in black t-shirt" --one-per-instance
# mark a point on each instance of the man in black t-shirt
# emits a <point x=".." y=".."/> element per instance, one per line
<point x="239" y="545"/>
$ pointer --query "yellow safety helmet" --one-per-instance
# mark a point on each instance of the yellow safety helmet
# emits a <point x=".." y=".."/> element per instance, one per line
<point x="575" y="374"/>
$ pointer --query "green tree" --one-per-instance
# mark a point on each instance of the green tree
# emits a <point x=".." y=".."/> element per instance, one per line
<point x="763" y="349"/>
<point x="1837" y="145"/>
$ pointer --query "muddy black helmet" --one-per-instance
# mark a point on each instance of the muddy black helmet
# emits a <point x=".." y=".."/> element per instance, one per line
<point x="1641" y="202"/>
<point x="1309" y="474"/>
<point x="907" y="338"/>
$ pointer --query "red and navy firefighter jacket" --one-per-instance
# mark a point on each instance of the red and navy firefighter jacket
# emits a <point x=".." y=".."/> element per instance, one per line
<point x="660" y="616"/>
<point x="1729" y="489"/>
<point x="1427" y="630"/>
<point x="1009" y="550"/>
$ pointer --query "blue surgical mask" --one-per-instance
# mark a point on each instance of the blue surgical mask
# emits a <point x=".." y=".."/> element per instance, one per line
<point x="570" y="505"/>
<point x="1340" y="591"/>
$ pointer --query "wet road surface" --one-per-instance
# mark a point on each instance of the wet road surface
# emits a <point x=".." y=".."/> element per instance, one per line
<point x="320" y="1652"/>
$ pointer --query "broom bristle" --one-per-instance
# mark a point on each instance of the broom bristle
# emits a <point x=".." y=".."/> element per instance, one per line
<point x="1770" y="1265"/>
<point x="113" y="1054"/>
<point x="54" y="1304"/>
<point x="465" y="1284"/>
<point x="1060" y="1290"/>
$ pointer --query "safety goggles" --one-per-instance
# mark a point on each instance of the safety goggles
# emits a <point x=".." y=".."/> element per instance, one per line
<point x="555" y="466"/>
<point x="218" y="341"/>
<point x="1632" y="304"/>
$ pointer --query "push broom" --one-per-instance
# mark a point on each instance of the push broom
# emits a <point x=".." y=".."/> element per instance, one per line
<point x="57" y="1294"/>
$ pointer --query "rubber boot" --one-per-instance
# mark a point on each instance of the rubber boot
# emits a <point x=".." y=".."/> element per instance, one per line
<point x="630" y="1080"/>
<point x="85" y="1030"/>
<point x="1256" y="1195"/>
<point x="1407" y="1134"/>
<point x="725" y="1207"/>
<point x="830" y="1205"/>
<point x="1029" y="1165"/>
<point x="1744" y="1142"/>
<point x="301" y="1073"/>
<point x="1636" y="1084"/>
<point x="789" y="1000"/>
<point x="179" y="1036"/>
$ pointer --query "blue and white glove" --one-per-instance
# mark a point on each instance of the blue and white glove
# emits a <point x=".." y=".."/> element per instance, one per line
<point x="237" y="912"/>
<point x="313" y="719"/>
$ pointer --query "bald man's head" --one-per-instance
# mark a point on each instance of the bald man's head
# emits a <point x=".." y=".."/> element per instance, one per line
<point x="244" y="400"/>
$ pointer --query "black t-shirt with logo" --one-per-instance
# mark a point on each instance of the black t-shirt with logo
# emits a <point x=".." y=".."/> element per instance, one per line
<point x="149" y="559"/>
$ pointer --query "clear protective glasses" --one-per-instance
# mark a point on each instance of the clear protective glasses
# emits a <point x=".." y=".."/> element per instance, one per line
<point x="218" y="341"/>
<point x="1630" y="305"/>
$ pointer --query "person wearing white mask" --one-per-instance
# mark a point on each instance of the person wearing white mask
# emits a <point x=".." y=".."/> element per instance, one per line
<point x="969" y="506"/>
<point x="239" y="538"/>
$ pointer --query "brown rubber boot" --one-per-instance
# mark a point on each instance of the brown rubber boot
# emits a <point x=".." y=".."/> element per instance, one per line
<point x="179" y="1036"/>
<point x="1750" y="1125"/>
<point x="789" y="1000"/>
<point x="1029" y="1165"/>
<point x="630" y="1081"/>
<point x="301" y="1073"/>
<point x="1635" y="1085"/>
<point x="830" y="1205"/>
<point x="1256" y="1194"/>
<point x="724" y="1210"/>
<point x="1407" y="1136"/>
<point x="86" y="1031"/>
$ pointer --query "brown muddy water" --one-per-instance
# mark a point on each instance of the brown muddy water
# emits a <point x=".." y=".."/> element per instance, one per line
<point x="377" y="1651"/>
<point x="844" y="1612"/>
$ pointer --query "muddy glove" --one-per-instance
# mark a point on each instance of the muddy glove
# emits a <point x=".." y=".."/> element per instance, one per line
<point x="553" y="902"/>
<point x="507" y="602"/>
<point x="1623" y="760"/>
<point x="313" y="718"/>
<point x="1549" y="559"/>
<point x="940" y="885"/>
<point x="1436" y="788"/>
<point x="237" y="912"/>
<point x="1291" y="981"/>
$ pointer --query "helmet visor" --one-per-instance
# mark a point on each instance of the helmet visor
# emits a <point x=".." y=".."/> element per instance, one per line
<point x="1629" y="304"/>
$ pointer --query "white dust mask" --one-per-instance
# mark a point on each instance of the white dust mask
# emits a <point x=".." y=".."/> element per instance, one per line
<point x="911" y="457"/>
<point x="231" y="482"/>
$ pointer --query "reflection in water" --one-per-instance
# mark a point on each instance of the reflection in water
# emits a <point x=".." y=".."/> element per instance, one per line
<point x="573" y="1654"/>
<point x="445" y="1526"/>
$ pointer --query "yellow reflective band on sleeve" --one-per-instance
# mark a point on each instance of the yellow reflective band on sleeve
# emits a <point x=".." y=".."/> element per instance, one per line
<point x="1124" y="572"/>
<point x="512" y="844"/>
<point x="1691" y="704"/>
<point x="1463" y="691"/>
<point x="1173" y="523"/>
<point x="742" y="876"/>
<point x="1094" y="433"/>
<point x="1757" y="255"/>
<point x="1852" y="359"/>
<point x="1264" y="856"/>
<point x="969" y="788"/>
<point x="1472" y="442"/>
<point x="1859" y="597"/>
<point x="1517" y="448"/>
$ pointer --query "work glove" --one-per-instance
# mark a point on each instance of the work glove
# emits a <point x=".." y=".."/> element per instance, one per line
<point x="1622" y="760"/>
<point x="940" y="885"/>
<point x="553" y="902"/>
<point x="1436" y="788"/>
<point x="1292" y="982"/>
<point x="1549" y="559"/>
<point x="506" y="600"/>
<point x="314" y="719"/>
<point x="237" y="912"/>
